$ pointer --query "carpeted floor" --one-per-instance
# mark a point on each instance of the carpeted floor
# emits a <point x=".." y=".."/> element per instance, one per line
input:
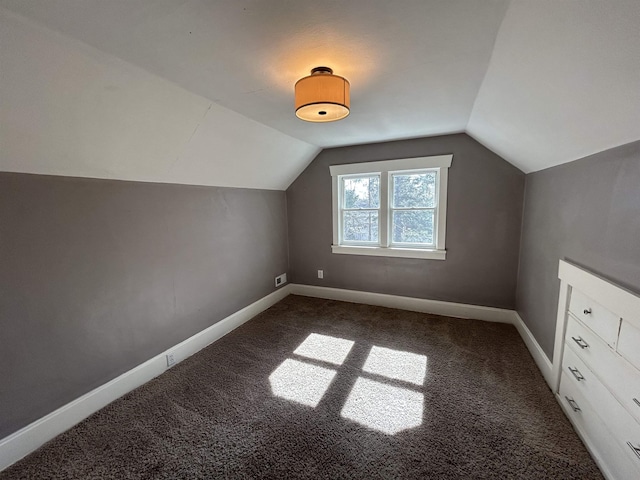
<point x="371" y="393"/>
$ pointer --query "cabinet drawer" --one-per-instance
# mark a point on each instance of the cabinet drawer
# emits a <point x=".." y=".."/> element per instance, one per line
<point x="610" y="456"/>
<point x="616" y="373"/>
<point x="624" y="428"/>
<point x="587" y="345"/>
<point x="605" y="323"/>
<point x="629" y="343"/>
<point x="597" y="393"/>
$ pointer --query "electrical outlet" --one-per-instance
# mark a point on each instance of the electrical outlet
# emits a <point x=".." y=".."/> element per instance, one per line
<point x="281" y="279"/>
<point x="171" y="359"/>
<point x="320" y="273"/>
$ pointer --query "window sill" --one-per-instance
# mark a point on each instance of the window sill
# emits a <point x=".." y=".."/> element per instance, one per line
<point x="390" y="252"/>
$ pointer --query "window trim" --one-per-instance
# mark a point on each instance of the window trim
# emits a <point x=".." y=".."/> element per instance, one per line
<point x="385" y="169"/>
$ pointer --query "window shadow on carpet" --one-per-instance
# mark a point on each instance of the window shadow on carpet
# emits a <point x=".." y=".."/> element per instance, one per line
<point x="374" y="401"/>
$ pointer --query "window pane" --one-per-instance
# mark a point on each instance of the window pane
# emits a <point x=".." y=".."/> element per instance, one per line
<point x="413" y="226"/>
<point x="360" y="226"/>
<point x="361" y="192"/>
<point x="416" y="190"/>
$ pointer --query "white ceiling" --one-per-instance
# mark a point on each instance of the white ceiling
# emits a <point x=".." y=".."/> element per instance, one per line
<point x="202" y="91"/>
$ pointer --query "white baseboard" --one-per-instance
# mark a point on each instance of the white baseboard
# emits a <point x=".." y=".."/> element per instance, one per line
<point x="26" y="440"/>
<point x="436" y="307"/>
<point x="541" y="359"/>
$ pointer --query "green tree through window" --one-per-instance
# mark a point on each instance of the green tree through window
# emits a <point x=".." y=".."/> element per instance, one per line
<point x="413" y="208"/>
<point x="361" y="204"/>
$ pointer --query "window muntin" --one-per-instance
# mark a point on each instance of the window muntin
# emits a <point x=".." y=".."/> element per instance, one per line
<point x="391" y="208"/>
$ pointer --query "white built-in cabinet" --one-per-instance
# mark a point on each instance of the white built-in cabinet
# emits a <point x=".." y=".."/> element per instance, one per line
<point x="596" y="368"/>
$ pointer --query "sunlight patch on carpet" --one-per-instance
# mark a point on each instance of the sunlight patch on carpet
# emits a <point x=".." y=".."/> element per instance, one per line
<point x="325" y="348"/>
<point x="301" y="382"/>
<point x="383" y="407"/>
<point x="397" y="365"/>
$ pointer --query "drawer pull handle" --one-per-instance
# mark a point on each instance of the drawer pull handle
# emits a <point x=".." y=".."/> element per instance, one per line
<point x="572" y="403"/>
<point x="635" y="449"/>
<point x="576" y="373"/>
<point x="581" y="343"/>
<point x="637" y="401"/>
<point x="587" y="311"/>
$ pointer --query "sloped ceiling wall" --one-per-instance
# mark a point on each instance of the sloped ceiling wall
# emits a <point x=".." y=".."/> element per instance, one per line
<point x="563" y="82"/>
<point x="69" y="109"/>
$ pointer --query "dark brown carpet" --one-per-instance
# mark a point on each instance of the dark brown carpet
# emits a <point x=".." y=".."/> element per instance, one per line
<point x="483" y="408"/>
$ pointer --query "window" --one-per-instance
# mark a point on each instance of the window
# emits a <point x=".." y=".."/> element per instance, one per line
<point x="394" y="208"/>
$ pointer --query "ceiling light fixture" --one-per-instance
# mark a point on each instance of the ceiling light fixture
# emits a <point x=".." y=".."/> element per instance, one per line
<point x="322" y="96"/>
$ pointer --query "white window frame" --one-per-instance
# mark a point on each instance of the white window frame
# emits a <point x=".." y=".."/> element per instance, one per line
<point x="385" y="169"/>
<point x="362" y="243"/>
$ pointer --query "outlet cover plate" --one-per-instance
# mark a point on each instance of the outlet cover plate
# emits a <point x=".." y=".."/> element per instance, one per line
<point x="281" y="280"/>
<point x="171" y="359"/>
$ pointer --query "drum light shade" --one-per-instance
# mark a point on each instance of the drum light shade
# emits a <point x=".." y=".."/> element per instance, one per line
<point x="322" y="96"/>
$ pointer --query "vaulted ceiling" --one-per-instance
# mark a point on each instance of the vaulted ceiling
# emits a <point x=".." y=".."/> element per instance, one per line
<point x="202" y="91"/>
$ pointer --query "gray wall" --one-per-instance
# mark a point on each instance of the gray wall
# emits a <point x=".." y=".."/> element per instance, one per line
<point x="483" y="227"/>
<point x="588" y="212"/>
<point x="98" y="276"/>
